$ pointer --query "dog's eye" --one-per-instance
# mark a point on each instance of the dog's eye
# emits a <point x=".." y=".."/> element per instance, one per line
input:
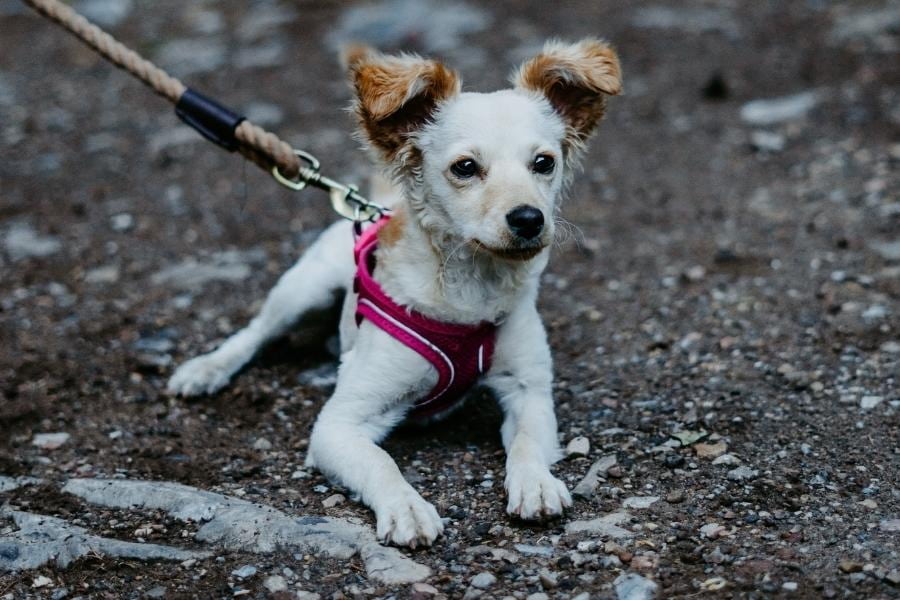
<point x="464" y="168"/>
<point x="543" y="164"/>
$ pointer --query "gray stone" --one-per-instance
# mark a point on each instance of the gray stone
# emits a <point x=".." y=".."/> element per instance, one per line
<point x="22" y="241"/>
<point x="275" y="583"/>
<point x="102" y="275"/>
<point x="533" y="550"/>
<point x="190" y="57"/>
<point x="8" y="484"/>
<point x="886" y="250"/>
<point x="106" y="13"/>
<point x="890" y="525"/>
<point x="50" y="441"/>
<point x="587" y="486"/>
<point x="631" y="586"/>
<point x="237" y="524"/>
<point x="605" y="526"/>
<point x="437" y="26"/>
<point x="193" y="274"/>
<point x="269" y="54"/>
<point x="778" y="110"/>
<point x="157" y="591"/>
<point x="41" y="540"/>
<point x="866" y="24"/>
<point x="742" y="473"/>
<point x="244" y="572"/>
<point x="687" y="19"/>
<point x="579" y="446"/>
<point x="767" y="141"/>
<point x="640" y="502"/>
<point x="870" y="402"/>
<point x="483" y="580"/>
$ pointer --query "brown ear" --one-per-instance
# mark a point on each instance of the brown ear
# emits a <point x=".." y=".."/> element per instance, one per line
<point x="575" y="78"/>
<point x="396" y="95"/>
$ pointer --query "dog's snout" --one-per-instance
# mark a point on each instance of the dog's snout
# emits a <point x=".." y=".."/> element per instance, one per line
<point x="525" y="221"/>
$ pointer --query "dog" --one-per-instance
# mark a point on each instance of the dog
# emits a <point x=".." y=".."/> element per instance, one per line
<point x="474" y="182"/>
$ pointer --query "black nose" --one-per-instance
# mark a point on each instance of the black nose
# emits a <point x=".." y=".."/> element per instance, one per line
<point x="525" y="221"/>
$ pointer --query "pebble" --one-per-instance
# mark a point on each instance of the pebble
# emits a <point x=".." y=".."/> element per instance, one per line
<point x="304" y="595"/>
<point x="549" y="579"/>
<point x="710" y="450"/>
<point x="156" y="592"/>
<point x="789" y="586"/>
<point x="869" y="402"/>
<point x="712" y="530"/>
<point x="640" y="502"/>
<point x="333" y="500"/>
<point x="850" y="566"/>
<point x="424" y="588"/>
<point x="742" y="473"/>
<point x="727" y="459"/>
<point x="484" y="580"/>
<point x="275" y="583"/>
<point x="588" y="485"/>
<point x="631" y="586"/>
<point x="674" y="497"/>
<point x="262" y="444"/>
<point x="244" y="572"/>
<point x="767" y="141"/>
<point x="778" y="110"/>
<point x="122" y="222"/>
<point x="41" y="581"/>
<point x="50" y="441"/>
<point x="579" y="446"/>
<point x="537" y="596"/>
<point x="890" y="525"/>
<point x="22" y="241"/>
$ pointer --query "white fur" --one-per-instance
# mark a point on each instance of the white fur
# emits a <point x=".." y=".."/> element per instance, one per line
<point x="435" y="268"/>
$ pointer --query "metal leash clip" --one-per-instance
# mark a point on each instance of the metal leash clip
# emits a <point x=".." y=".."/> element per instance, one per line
<point x="345" y="198"/>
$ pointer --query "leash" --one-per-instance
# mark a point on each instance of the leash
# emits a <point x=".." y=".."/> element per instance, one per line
<point x="294" y="169"/>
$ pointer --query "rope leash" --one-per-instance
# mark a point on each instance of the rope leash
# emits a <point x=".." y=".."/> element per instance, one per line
<point x="292" y="168"/>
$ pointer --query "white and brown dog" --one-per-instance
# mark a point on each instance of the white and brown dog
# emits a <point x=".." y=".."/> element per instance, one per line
<point x="479" y="178"/>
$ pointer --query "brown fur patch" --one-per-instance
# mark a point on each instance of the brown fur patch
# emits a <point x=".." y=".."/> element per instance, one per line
<point x="391" y="233"/>
<point x="395" y="95"/>
<point x="575" y="78"/>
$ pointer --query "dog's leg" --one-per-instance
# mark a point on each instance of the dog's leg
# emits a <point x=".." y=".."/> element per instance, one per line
<point x="377" y="382"/>
<point x="310" y="284"/>
<point x="521" y="375"/>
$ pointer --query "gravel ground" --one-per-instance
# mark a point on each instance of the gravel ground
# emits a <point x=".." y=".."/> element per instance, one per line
<point x="724" y="314"/>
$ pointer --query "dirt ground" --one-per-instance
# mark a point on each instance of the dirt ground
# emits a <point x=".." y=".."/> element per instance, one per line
<point x="731" y="270"/>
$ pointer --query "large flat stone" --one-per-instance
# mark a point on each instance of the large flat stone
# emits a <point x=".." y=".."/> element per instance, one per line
<point x="41" y="540"/>
<point x="237" y="524"/>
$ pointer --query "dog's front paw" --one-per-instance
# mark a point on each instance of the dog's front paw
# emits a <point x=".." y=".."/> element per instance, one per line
<point x="406" y="519"/>
<point x="201" y="375"/>
<point x="535" y="493"/>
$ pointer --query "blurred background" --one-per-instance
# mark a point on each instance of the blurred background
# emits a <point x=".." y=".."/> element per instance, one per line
<point x="732" y="265"/>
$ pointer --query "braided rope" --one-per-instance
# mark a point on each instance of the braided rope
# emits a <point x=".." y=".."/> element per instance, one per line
<point x="256" y="144"/>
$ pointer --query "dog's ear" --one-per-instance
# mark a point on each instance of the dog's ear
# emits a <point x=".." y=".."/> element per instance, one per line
<point x="575" y="78"/>
<point x="396" y="94"/>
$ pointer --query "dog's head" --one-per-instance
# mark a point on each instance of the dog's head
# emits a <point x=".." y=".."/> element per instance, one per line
<point x="487" y="169"/>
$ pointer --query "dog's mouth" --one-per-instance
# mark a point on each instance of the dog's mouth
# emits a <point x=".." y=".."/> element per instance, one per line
<point x="521" y="253"/>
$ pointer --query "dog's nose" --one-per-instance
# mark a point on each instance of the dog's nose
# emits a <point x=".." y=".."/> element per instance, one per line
<point x="525" y="221"/>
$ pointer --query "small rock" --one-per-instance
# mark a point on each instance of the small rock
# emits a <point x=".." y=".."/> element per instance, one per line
<point x="156" y="592"/>
<point x="631" y="586"/>
<point x="424" y="588"/>
<point x="606" y="526"/>
<point x="104" y="274"/>
<point x="244" y="572"/>
<point x="121" y="222"/>
<point x="587" y="486"/>
<point x="712" y="530"/>
<point x="710" y="450"/>
<point x="767" y="141"/>
<point x="869" y="402"/>
<point x="580" y="446"/>
<point x="548" y="579"/>
<point x="262" y="444"/>
<point x="22" y="241"/>
<point x="50" y="441"/>
<point x="850" y="566"/>
<point x="743" y="473"/>
<point x="483" y="580"/>
<point x="727" y="459"/>
<point x="615" y="472"/>
<point x="886" y="250"/>
<point x="304" y="595"/>
<point x="41" y="581"/>
<point x="333" y="500"/>
<point x="789" y="586"/>
<point x="537" y="596"/>
<point x="890" y="525"/>
<point x="674" y="497"/>
<point x="778" y="110"/>
<point x="639" y="502"/>
<point x="275" y="583"/>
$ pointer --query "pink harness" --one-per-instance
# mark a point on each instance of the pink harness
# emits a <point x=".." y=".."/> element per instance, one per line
<point x="459" y="353"/>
